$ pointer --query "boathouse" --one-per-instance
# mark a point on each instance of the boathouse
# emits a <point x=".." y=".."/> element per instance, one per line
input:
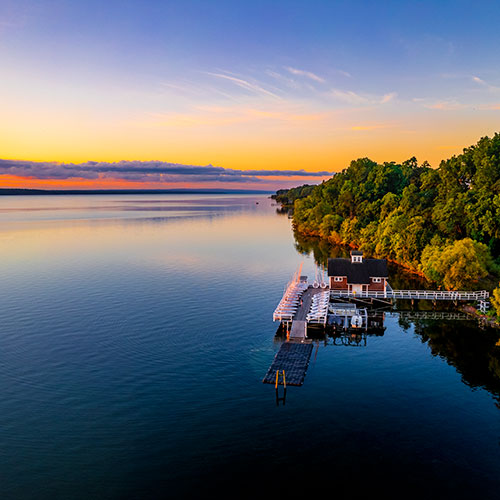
<point x="358" y="274"/>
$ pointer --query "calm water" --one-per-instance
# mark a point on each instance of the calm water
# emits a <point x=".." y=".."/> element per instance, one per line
<point x="135" y="332"/>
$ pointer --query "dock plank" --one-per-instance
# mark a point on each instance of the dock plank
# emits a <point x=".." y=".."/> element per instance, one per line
<point x="299" y="330"/>
<point x="293" y="357"/>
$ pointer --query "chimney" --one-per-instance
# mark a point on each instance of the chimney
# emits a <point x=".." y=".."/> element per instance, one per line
<point x="356" y="256"/>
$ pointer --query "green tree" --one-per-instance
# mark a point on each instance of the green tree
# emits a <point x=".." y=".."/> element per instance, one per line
<point x="458" y="265"/>
<point x="431" y="220"/>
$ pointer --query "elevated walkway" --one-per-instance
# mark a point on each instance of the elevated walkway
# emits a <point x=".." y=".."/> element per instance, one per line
<point x="413" y="295"/>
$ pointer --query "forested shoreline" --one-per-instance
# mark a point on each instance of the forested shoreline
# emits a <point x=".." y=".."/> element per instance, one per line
<point x="442" y="223"/>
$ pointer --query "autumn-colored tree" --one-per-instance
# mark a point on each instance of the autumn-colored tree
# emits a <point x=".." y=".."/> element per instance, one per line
<point x="495" y="300"/>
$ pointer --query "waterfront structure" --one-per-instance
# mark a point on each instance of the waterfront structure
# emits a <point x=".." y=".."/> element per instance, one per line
<point x="357" y="274"/>
<point x="337" y="310"/>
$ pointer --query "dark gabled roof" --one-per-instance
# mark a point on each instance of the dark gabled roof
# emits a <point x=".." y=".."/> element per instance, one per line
<point x="358" y="272"/>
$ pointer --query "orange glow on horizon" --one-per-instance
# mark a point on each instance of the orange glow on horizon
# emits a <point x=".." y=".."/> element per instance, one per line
<point x="18" y="182"/>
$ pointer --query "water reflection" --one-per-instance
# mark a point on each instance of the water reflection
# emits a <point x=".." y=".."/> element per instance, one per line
<point x="350" y="339"/>
<point x="116" y="331"/>
<point x="470" y="347"/>
<point x="472" y="351"/>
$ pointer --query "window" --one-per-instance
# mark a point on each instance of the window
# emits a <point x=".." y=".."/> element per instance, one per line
<point x="377" y="280"/>
<point x="338" y="278"/>
<point x="357" y="258"/>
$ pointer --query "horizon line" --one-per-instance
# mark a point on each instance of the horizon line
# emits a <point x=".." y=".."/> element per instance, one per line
<point x="34" y="191"/>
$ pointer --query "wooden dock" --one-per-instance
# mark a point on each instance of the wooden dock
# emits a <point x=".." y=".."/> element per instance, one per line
<point x="293" y="358"/>
<point x="298" y="331"/>
<point x="301" y="305"/>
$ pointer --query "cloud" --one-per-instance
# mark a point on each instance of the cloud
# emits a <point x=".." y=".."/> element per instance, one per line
<point x="350" y="97"/>
<point x="388" y="97"/>
<point x="252" y="87"/>
<point x="307" y="74"/>
<point x="448" y="105"/>
<point x="491" y="107"/>
<point x="143" y="171"/>
<point x="478" y="80"/>
<point x="231" y="115"/>
<point x="491" y="88"/>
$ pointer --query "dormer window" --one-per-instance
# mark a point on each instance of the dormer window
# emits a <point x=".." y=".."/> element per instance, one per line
<point x="356" y="256"/>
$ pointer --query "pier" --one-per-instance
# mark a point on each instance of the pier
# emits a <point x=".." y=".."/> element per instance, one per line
<point x="318" y="306"/>
<point x="298" y="330"/>
<point x="303" y="305"/>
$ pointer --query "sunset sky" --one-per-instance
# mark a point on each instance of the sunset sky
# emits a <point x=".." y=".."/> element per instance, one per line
<point x="233" y="94"/>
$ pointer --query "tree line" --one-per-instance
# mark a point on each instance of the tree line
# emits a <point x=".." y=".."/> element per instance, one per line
<point x="443" y="223"/>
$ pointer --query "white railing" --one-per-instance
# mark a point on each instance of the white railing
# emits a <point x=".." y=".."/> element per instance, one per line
<point x="412" y="315"/>
<point x="413" y="294"/>
<point x="286" y="309"/>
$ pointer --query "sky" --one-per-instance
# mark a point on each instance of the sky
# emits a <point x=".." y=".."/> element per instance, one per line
<point x="238" y="94"/>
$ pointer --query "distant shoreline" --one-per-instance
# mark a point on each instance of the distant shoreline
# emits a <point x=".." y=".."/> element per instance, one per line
<point x="45" y="192"/>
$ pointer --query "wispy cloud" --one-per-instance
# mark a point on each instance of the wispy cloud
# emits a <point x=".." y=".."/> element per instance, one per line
<point x="388" y="97"/>
<point x="448" y="105"/>
<point x="144" y="171"/>
<point x="230" y="115"/>
<point x="491" y="107"/>
<point x="244" y="84"/>
<point x="307" y="74"/>
<point x="478" y="80"/>
<point x="483" y="83"/>
<point x="289" y="82"/>
<point x="351" y="97"/>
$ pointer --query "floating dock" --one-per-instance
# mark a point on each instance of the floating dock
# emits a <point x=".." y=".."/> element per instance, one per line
<point x="293" y="358"/>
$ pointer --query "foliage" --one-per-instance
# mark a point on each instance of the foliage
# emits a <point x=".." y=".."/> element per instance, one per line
<point x="444" y="222"/>
<point x="458" y="265"/>
<point x="495" y="300"/>
<point x="287" y="197"/>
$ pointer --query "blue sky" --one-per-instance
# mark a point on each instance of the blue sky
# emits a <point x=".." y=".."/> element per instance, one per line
<point x="247" y="85"/>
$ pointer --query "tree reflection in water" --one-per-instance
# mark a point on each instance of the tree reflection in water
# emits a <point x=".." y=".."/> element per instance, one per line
<point x="474" y="351"/>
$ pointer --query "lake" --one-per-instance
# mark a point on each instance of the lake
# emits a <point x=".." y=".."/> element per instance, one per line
<point x="135" y="333"/>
